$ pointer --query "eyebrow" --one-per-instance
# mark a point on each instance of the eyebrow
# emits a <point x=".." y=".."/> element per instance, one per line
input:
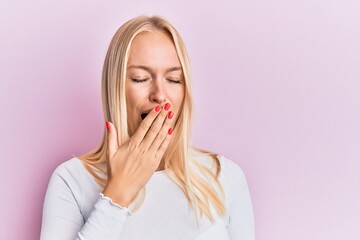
<point x="150" y="70"/>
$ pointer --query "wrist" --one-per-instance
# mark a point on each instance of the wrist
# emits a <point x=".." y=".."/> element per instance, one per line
<point x="115" y="204"/>
<point x="114" y="195"/>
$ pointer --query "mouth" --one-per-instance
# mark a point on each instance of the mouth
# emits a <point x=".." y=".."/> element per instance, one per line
<point x="143" y="115"/>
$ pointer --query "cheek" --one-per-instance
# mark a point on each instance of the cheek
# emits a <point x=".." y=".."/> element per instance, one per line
<point x="131" y="105"/>
<point x="179" y="97"/>
<point x="134" y="97"/>
<point x="177" y="100"/>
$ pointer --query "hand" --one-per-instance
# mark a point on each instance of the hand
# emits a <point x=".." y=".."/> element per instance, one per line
<point x="130" y="166"/>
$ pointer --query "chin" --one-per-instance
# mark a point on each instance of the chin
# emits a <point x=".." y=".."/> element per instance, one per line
<point x="132" y="128"/>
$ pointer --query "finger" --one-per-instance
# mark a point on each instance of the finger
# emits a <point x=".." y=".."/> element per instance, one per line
<point x="160" y="152"/>
<point x="111" y="140"/>
<point x="162" y="134"/>
<point x="145" y="124"/>
<point x="154" y="130"/>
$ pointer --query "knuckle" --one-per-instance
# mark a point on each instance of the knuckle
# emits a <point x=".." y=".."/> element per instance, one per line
<point x="167" y="139"/>
<point x="162" y="135"/>
<point x="155" y="128"/>
<point x="142" y="151"/>
<point x="165" y="143"/>
<point x="132" y="143"/>
<point x="144" y="125"/>
<point x="154" y="143"/>
<point x="162" y="148"/>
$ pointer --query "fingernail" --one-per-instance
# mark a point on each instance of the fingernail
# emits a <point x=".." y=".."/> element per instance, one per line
<point x="157" y="109"/>
<point x="170" y="114"/>
<point x="170" y="131"/>
<point x="107" y="125"/>
<point x="167" y="106"/>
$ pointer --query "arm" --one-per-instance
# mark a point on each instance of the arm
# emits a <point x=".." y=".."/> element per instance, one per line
<point x="241" y="217"/>
<point x="62" y="218"/>
<point x="129" y="169"/>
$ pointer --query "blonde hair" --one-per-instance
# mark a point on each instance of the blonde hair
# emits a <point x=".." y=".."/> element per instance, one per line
<point x="199" y="183"/>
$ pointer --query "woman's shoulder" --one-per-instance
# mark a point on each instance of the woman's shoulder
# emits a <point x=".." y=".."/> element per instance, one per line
<point x="72" y="185"/>
<point x="228" y="166"/>
<point x="73" y="173"/>
<point x="231" y="177"/>
<point x="70" y="166"/>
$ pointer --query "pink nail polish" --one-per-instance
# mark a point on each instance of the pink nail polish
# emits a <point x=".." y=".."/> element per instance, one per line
<point x="167" y="106"/>
<point x="170" y="131"/>
<point x="157" y="109"/>
<point x="170" y="114"/>
<point x="107" y="125"/>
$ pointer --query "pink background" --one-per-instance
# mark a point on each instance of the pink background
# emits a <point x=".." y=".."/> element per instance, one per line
<point x="276" y="88"/>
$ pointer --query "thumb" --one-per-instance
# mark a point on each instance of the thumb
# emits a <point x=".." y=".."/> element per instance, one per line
<point x="111" y="140"/>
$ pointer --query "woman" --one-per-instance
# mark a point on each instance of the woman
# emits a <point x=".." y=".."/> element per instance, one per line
<point x="145" y="181"/>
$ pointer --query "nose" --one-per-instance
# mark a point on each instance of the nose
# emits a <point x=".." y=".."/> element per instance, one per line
<point x="157" y="93"/>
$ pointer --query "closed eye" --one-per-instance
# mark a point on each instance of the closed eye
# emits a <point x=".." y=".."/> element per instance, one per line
<point x="174" y="81"/>
<point x="139" y="80"/>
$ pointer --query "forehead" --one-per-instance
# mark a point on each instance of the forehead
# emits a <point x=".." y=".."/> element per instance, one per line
<point x="153" y="49"/>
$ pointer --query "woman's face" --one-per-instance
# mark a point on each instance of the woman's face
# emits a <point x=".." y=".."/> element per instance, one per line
<point x="154" y="77"/>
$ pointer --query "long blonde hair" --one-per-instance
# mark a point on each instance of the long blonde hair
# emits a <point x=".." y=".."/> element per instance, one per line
<point x="199" y="183"/>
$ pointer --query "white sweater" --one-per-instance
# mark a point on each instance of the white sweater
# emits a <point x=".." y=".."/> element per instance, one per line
<point x="74" y="208"/>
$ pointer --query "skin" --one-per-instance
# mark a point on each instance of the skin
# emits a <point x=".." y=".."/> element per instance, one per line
<point x="161" y="83"/>
<point x="131" y="165"/>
